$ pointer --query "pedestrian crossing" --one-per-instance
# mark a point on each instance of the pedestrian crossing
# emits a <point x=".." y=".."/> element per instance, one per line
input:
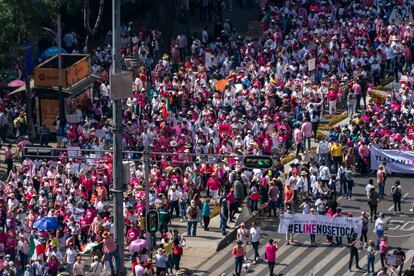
<point x="297" y="259"/>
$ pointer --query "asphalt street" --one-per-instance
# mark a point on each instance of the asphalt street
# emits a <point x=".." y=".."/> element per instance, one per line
<point x="303" y="259"/>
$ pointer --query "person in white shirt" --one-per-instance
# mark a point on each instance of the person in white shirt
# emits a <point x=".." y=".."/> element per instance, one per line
<point x="324" y="174"/>
<point x="96" y="267"/>
<point x="255" y="233"/>
<point x="380" y="225"/>
<point x="139" y="269"/>
<point x="174" y="196"/>
<point x="322" y="150"/>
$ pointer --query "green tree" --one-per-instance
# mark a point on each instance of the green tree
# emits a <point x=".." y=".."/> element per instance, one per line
<point x="21" y="23"/>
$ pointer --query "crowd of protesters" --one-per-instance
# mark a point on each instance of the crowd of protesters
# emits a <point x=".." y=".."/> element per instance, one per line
<point x="218" y="96"/>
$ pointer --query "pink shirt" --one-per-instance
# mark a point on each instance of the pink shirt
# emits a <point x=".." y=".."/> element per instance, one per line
<point x="109" y="245"/>
<point x="271" y="253"/>
<point x="307" y="129"/>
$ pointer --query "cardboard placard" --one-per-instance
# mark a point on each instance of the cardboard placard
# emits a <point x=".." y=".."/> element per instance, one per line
<point x="221" y="85"/>
<point x="311" y="64"/>
<point x="224" y="128"/>
<point x="208" y="60"/>
<point x="74" y="152"/>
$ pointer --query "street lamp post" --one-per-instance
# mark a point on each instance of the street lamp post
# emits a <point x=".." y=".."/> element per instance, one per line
<point x="62" y="117"/>
<point x="117" y="145"/>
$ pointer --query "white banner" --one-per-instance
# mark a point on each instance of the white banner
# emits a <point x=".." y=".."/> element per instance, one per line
<point x="396" y="160"/>
<point x="319" y="225"/>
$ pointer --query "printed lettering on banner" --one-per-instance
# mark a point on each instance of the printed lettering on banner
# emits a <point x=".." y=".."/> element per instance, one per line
<point x="224" y="128"/>
<point x="396" y="161"/>
<point x="319" y="225"/>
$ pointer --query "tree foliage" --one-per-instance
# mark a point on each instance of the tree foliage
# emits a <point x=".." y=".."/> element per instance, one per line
<point x="22" y="22"/>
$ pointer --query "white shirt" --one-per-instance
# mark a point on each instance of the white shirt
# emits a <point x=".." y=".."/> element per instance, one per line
<point x="255" y="233"/>
<point x="173" y="195"/>
<point x="96" y="268"/>
<point x="139" y="270"/>
<point x="71" y="256"/>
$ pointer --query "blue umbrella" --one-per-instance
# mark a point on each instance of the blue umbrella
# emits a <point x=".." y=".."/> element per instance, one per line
<point x="47" y="224"/>
<point x="50" y="52"/>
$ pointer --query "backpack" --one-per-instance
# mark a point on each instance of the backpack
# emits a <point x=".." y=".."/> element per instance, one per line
<point x="396" y="192"/>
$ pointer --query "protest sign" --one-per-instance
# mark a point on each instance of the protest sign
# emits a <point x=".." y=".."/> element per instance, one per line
<point x="74" y="152"/>
<point x="311" y="64"/>
<point x="224" y="128"/>
<point x="319" y="225"/>
<point x="397" y="161"/>
<point x="208" y="60"/>
<point x="221" y="85"/>
<point x="74" y="118"/>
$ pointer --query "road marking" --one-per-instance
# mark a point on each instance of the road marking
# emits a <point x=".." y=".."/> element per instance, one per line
<point x="405" y="227"/>
<point x="395" y="224"/>
<point x="292" y="256"/>
<point x="404" y="196"/>
<point x="305" y="261"/>
<point x="326" y="260"/>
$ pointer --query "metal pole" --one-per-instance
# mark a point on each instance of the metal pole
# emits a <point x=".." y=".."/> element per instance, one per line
<point x="117" y="136"/>
<point x="62" y="118"/>
<point x="147" y="184"/>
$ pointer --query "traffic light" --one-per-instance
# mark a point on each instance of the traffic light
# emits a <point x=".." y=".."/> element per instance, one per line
<point x="152" y="221"/>
<point x="258" y="162"/>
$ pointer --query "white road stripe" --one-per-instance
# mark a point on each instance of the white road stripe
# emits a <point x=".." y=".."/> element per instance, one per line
<point x="404" y="196"/>
<point x="292" y="256"/>
<point x="316" y="252"/>
<point x="326" y="260"/>
<point x="339" y="264"/>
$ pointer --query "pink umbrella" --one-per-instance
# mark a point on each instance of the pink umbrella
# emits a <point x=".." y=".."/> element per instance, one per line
<point x="138" y="245"/>
<point x="15" y="83"/>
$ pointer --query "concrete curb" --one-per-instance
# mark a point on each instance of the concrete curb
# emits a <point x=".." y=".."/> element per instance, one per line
<point x="245" y="217"/>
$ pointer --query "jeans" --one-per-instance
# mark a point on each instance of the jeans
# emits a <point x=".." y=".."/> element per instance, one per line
<point x="307" y="140"/>
<point x="114" y="255"/>
<point x="338" y="240"/>
<point x="271" y="267"/>
<point x="350" y="111"/>
<point x="272" y="206"/>
<point x="206" y="221"/>
<point x="380" y="233"/>
<point x="364" y="236"/>
<point x="383" y="256"/>
<point x="238" y="265"/>
<point x="397" y="204"/>
<point x="349" y="192"/>
<point x="256" y="250"/>
<point x="358" y="102"/>
<point x="174" y="206"/>
<point x="381" y="190"/>
<point x="223" y="223"/>
<point x="183" y="209"/>
<point x="193" y="225"/>
<point x="299" y="147"/>
<point x="69" y="268"/>
<point x="354" y="253"/>
<point x="370" y="263"/>
<point x="313" y="238"/>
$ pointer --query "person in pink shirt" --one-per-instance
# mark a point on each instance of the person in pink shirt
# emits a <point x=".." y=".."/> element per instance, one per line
<point x="307" y="132"/>
<point x="270" y="255"/>
<point x="356" y="88"/>
<point x="213" y="186"/>
<point x="231" y="200"/>
<point x="297" y="136"/>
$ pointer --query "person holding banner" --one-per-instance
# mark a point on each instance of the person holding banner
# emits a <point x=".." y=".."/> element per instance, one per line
<point x="354" y="246"/>
<point x="336" y="215"/>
